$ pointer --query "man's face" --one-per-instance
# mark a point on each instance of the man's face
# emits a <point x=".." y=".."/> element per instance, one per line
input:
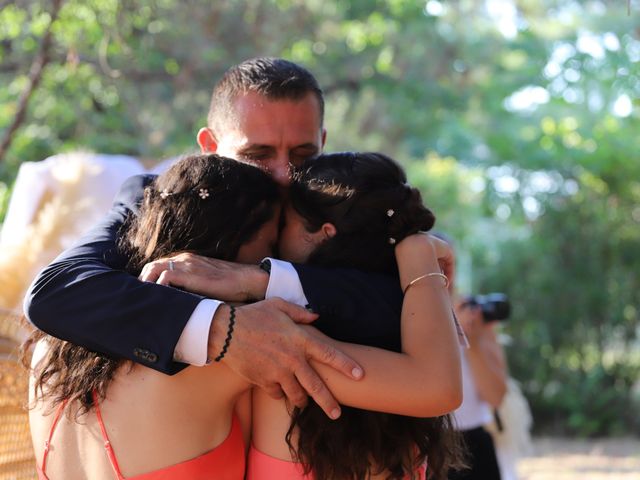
<point x="277" y="135"/>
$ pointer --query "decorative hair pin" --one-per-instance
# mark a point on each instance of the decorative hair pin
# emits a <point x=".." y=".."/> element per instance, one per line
<point x="392" y="241"/>
<point x="203" y="193"/>
<point x="390" y="212"/>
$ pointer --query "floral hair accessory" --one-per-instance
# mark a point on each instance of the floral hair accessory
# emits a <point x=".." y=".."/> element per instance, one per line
<point x="392" y="241"/>
<point x="390" y="212"/>
<point x="203" y="193"/>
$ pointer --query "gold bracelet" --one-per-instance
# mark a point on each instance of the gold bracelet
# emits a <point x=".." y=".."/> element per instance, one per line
<point x="422" y="277"/>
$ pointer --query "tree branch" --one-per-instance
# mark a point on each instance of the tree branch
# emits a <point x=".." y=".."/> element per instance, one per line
<point x="35" y="76"/>
<point x="347" y="84"/>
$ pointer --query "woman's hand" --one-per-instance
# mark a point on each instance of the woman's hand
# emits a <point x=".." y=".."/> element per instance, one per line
<point x="423" y="253"/>
<point x="213" y="278"/>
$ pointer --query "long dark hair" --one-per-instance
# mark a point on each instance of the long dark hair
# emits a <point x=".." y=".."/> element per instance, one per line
<point x="366" y="197"/>
<point x="205" y="204"/>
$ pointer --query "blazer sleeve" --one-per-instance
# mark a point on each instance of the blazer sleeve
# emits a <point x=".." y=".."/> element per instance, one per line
<point x="354" y="306"/>
<point x="87" y="298"/>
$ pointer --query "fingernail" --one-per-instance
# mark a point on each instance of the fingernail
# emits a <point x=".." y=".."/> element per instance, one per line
<point x="357" y="372"/>
<point x="335" y="413"/>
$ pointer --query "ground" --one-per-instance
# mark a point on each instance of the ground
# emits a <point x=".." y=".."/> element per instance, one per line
<point x="564" y="459"/>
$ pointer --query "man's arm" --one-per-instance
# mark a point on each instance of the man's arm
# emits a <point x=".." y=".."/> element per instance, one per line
<point x="354" y="306"/>
<point x="86" y="297"/>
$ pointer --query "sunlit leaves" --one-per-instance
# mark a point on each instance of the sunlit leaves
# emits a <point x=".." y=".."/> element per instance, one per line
<point x="12" y="20"/>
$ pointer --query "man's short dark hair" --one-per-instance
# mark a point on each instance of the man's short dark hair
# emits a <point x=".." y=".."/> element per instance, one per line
<point x="274" y="78"/>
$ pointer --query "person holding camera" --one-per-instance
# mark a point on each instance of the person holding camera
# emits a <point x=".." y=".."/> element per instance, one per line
<point x="484" y="384"/>
<point x="484" y="380"/>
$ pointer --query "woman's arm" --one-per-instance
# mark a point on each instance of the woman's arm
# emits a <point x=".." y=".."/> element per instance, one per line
<point x="425" y="379"/>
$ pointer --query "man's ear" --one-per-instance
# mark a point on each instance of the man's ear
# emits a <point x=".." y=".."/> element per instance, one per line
<point x="207" y="141"/>
<point x="324" y="137"/>
<point x="328" y="230"/>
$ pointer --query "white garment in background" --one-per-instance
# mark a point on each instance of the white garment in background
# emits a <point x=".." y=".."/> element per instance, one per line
<point x="514" y="441"/>
<point x="474" y="412"/>
<point x="96" y="177"/>
<point x="53" y="203"/>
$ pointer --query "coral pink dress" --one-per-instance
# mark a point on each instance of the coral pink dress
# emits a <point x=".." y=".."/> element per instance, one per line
<point x="225" y="462"/>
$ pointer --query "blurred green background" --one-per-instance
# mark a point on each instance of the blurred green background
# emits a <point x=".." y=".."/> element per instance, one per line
<point x="518" y="119"/>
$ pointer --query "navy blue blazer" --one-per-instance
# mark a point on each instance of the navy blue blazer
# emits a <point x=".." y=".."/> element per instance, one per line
<point x="87" y="298"/>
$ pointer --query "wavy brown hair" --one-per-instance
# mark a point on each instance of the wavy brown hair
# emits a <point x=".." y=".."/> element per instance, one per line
<point x="173" y="217"/>
<point x="367" y="198"/>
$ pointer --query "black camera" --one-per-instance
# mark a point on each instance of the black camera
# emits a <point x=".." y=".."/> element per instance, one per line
<point x="494" y="306"/>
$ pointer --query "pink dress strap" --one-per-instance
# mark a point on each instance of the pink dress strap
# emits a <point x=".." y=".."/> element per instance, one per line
<point x="224" y="462"/>
<point x="107" y="444"/>
<point x="422" y="472"/>
<point x="47" y="443"/>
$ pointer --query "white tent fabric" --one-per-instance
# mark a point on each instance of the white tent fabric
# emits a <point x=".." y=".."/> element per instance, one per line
<point x="52" y="204"/>
<point x="96" y="178"/>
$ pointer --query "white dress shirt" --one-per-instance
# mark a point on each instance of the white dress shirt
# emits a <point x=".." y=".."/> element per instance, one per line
<point x="191" y="348"/>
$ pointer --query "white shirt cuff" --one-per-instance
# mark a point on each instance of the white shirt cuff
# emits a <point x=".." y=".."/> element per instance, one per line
<point x="284" y="282"/>
<point x="192" y="345"/>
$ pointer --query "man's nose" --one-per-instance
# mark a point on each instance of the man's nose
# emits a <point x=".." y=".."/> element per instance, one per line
<point x="281" y="170"/>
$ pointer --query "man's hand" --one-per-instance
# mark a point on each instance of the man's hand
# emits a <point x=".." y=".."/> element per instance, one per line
<point x="269" y="350"/>
<point x="228" y="281"/>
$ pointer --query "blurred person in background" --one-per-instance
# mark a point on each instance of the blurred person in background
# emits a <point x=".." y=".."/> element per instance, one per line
<point x="484" y="385"/>
<point x="484" y="377"/>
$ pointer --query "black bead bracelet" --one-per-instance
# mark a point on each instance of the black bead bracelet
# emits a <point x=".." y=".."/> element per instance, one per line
<point x="232" y="321"/>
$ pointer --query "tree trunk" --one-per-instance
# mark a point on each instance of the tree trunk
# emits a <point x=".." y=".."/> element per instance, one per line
<point x="35" y="76"/>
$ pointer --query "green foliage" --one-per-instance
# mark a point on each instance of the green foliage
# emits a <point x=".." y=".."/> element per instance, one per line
<point x="5" y="194"/>
<point x="520" y="127"/>
<point x="578" y="322"/>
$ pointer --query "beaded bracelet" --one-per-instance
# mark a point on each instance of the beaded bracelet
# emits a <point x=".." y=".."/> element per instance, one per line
<point x="232" y="321"/>
<point x="422" y="277"/>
